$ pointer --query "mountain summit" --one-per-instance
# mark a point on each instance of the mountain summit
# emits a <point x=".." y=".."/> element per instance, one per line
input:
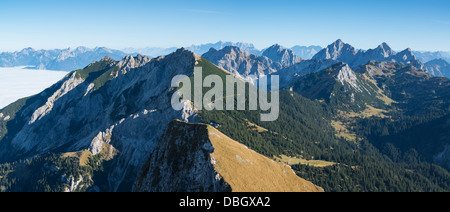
<point x="337" y="51"/>
<point x="285" y="57"/>
<point x="346" y="53"/>
<point x="241" y="63"/>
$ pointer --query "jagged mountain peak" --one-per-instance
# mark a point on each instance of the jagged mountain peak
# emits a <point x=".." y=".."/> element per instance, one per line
<point x="346" y="53"/>
<point x="339" y="45"/>
<point x="277" y="53"/>
<point x="184" y="52"/>
<point x="202" y="49"/>
<point x="234" y="49"/>
<point x="241" y="63"/>
<point x="407" y="57"/>
<point x="82" y="49"/>
<point x="276" y="46"/>
<point x="107" y="59"/>
<point x="385" y="50"/>
<point x="346" y="75"/>
<point x="341" y="87"/>
<point x="407" y="51"/>
<point x="339" y="42"/>
<point x="134" y="62"/>
<point x="58" y="59"/>
<point x="384" y="45"/>
<point x="438" y="61"/>
<point x="338" y="50"/>
<point x="229" y="51"/>
<point x="27" y="50"/>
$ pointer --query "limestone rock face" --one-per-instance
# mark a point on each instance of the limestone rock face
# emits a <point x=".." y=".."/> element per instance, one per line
<point x="285" y="57"/>
<point x="241" y="63"/>
<point x="125" y="105"/>
<point x="181" y="162"/>
<point x="337" y="51"/>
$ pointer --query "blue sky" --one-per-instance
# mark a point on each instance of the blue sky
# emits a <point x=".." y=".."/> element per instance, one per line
<point x="418" y="24"/>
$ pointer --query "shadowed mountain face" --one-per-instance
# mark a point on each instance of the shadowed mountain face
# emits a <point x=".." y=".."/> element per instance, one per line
<point x="192" y="150"/>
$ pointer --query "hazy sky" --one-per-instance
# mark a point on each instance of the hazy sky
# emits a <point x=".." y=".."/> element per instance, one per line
<point x="418" y="24"/>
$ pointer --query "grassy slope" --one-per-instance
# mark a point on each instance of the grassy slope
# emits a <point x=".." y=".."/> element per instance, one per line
<point x="248" y="171"/>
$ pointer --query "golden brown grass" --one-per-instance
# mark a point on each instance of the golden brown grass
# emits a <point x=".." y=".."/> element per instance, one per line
<point x="82" y="156"/>
<point x="342" y="124"/>
<point x="381" y="95"/>
<point x="367" y="113"/>
<point x="343" y="131"/>
<point x="247" y="171"/>
<point x="257" y="127"/>
<point x="295" y="161"/>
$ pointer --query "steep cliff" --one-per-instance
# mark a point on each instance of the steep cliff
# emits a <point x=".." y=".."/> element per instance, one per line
<point x="197" y="158"/>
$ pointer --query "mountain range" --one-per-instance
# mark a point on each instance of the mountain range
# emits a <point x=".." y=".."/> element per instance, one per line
<point x="438" y="67"/>
<point x="425" y="56"/>
<point x="57" y="59"/>
<point x="344" y="52"/>
<point x="349" y="120"/>
<point x="72" y="59"/>
<point x="198" y="49"/>
<point x="243" y="64"/>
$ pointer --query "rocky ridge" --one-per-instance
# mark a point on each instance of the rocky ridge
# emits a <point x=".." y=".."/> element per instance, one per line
<point x="199" y="158"/>
<point x="125" y="104"/>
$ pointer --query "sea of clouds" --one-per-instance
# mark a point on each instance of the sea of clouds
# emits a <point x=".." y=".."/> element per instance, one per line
<point x="20" y="82"/>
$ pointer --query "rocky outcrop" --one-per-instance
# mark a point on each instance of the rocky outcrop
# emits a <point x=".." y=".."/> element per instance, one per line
<point x="199" y="158"/>
<point x="181" y="162"/>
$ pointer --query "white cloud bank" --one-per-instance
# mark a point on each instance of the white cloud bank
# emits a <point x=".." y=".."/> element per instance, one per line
<point x="19" y="82"/>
